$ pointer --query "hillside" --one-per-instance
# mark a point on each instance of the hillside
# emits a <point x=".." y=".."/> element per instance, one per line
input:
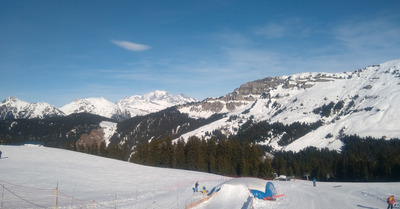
<point x="30" y="175"/>
<point x="365" y="102"/>
<point x="54" y="131"/>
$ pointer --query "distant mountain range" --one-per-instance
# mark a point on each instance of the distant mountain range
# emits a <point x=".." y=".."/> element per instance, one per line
<point x="284" y="113"/>
<point x="14" y="108"/>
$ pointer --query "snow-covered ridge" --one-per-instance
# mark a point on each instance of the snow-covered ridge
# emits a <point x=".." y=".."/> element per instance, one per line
<point x="152" y="102"/>
<point x="13" y="108"/>
<point x="98" y="106"/>
<point x="365" y="102"/>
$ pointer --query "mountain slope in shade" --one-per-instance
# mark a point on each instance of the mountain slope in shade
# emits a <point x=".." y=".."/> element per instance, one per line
<point x="14" y="108"/>
<point x="365" y="102"/>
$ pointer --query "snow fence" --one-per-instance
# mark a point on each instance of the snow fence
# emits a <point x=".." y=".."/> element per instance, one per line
<point x="17" y="196"/>
<point x="14" y="196"/>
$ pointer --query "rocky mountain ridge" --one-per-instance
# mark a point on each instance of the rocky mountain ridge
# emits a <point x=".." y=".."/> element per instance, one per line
<point x="363" y="102"/>
<point x="14" y="108"/>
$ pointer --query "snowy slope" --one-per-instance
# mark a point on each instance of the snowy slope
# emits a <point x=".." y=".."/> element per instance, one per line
<point x="365" y="102"/>
<point x="109" y="128"/>
<point x="14" y="108"/>
<point x="30" y="174"/>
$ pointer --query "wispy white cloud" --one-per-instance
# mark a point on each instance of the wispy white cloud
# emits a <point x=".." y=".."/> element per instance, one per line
<point x="280" y="29"/>
<point x="368" y="41"/>
<point x="130" y="45"/>
<point x="380" y="33"/>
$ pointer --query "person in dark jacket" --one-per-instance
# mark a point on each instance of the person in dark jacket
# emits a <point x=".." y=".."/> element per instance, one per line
<point x="196" y="187"/>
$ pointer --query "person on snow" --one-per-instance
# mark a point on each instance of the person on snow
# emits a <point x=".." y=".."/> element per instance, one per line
<point x="391" y="201"/>
<point x="196" y="187"/>
<point x="0" y="154"/>
<point x="314" y="182"/>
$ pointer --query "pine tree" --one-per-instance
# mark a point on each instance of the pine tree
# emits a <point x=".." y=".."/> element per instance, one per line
<point x="211" y="155"/>
<point x="179" y="153"/>
<point x="194" y="157"/>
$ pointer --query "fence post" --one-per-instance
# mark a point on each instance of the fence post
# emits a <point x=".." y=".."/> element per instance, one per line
<point x="115" y="202"/>
<point x="56" y="198"/>
<point x="2" y="196"/>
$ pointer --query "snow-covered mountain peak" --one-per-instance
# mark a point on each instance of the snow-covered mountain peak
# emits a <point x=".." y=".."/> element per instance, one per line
<point x="152" y="102"/>
<point x="157" y="94"/>
<point x="11" y="99"/>
<point x="97" y="106"/>
<point x="14" y="108"/>
<point x="127" y="107"/>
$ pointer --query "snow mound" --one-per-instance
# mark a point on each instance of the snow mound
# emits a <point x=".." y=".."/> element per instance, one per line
<point x="234" y="193"/>
<point x="233" y="196"/>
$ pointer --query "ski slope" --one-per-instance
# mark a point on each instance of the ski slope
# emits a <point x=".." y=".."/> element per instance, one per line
<point x="29" y="176"/>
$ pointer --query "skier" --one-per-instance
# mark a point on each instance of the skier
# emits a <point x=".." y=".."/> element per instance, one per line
<point x="0" y="154"/>
<point x="314" y="182"/>
<point x="390" y="201"/>
<point x="196" y="189"/>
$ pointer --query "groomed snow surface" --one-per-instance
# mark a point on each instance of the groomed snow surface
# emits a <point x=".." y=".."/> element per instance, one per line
<point x="29" y="177"/>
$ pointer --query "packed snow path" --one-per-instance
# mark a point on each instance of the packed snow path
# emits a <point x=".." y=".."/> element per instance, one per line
<point x="87" y="181"/>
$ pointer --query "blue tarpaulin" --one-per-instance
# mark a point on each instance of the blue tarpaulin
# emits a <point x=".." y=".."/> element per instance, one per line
<point x="269" y="193"/>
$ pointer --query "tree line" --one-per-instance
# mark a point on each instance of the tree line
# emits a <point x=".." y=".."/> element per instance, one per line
<point x="361" y="159"/>
<point x="225" y="157"/>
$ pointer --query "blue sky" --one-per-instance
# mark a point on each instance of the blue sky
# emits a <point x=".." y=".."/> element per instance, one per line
<point x="57" y="51"/>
